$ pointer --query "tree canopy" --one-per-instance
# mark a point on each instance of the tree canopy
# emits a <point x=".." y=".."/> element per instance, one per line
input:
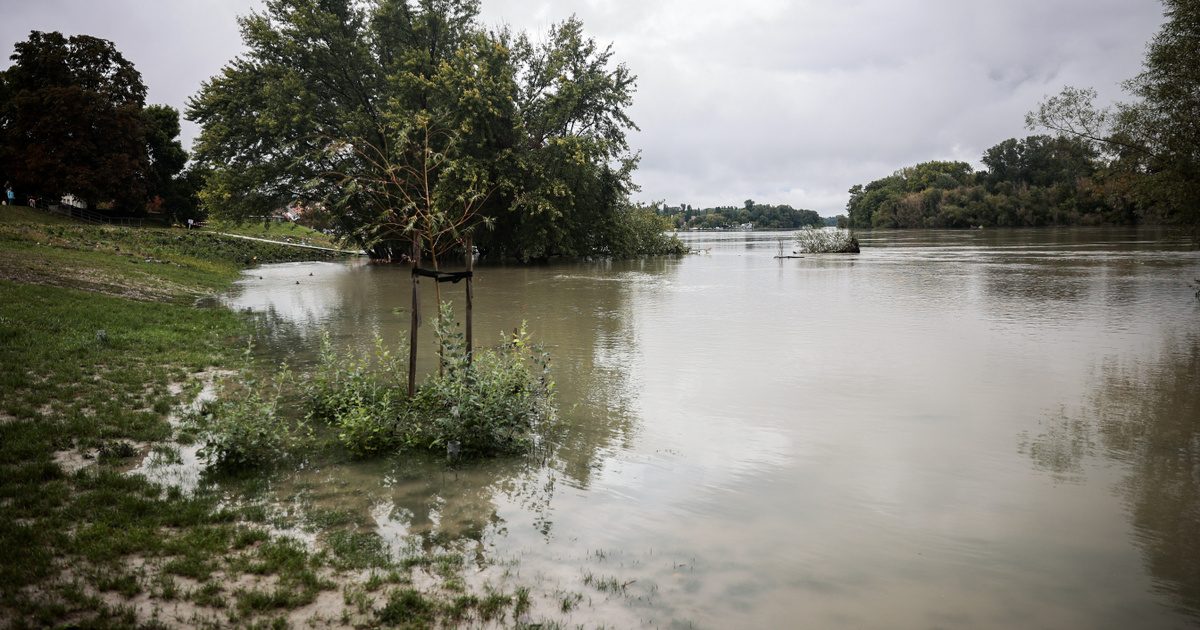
<point x="1032" y="181"/>
<point x="406" y="117"/>
<point x="1150" y="146"/>
<point x="73" y="120"/>
<point x="750" y="213"/>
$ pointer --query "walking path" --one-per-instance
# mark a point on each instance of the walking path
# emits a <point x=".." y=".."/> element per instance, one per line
<point x="267" y="240"/>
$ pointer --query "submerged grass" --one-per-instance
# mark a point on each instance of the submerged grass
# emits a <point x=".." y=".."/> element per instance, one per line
<point x="96" y="345"/>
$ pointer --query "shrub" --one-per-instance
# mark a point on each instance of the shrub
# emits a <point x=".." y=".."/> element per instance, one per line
<point x="244" y="428"/>
<point x="368" y="428"/>
<point x="360" y="395"/>
<point x="826" y="241"/>
<point x="640" y="231"/>
<point x="495" y="404"/>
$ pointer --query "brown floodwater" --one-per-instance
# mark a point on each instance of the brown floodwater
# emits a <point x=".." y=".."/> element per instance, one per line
<point x="971" y="429"/>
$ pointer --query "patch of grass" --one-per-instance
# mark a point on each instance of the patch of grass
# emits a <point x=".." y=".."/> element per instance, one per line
<point x="191" y="566"/>
<point x="407" y="608"/>
<point x="254" y="601"/>
<point x="606" y="584"/>
<point x="142" y="263"/>
<point x="569" y="601"/>
<point x="208" y="594"/>
<point x="248" y="536"/>
<point x="39" y="216"/>
<point x="358" y="550"/>
<point x="358" y="597"/>
<point x="494" y="605"/>
<point x="521" y="601"/>
<point x="122" y="582"/>
<point x="165" y="587"/>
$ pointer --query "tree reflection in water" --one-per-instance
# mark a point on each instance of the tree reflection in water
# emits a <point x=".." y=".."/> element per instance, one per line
<point x="1146" y="416"/>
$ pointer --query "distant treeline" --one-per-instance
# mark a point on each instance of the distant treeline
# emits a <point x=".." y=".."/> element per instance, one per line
<point x="1034" y="181"/>
<point x="749" y="215"/>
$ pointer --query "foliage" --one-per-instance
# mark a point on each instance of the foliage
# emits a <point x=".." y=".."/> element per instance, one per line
<point x="73" y="120"/>
<point x="493" y="403"/>
<point x="1151" y="145"/>
<point x="756" y="215"/>
<point x="359" y="395"/>
<point x="639" y="230"/>
<point x="1031" y="181"/>
<point x="244" y="427"/>
<point x="826" y="241"/>
<point x="570" y="168"/>
<point x="406" y="118"/>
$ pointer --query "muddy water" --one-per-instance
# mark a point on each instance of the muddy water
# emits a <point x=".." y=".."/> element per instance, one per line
<point x="980" y="429"/>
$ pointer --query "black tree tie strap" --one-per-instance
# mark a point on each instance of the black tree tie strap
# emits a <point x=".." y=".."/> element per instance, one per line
<point x="442" y="276"/>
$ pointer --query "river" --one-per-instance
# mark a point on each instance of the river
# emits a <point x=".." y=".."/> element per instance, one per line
<point x="969" y="429"/>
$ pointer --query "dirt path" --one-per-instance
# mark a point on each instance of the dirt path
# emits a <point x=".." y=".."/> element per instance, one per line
<point x="267" y="240"/>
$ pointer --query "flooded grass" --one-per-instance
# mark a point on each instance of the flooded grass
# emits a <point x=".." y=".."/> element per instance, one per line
<point x="89" y="372"/>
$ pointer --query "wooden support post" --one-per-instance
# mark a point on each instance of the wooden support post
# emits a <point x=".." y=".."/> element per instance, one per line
<point x="470" y="251"/>
<point x="416" y="319"/>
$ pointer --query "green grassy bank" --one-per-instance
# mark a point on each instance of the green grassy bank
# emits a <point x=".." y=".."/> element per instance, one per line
<point x="100" y="339"/>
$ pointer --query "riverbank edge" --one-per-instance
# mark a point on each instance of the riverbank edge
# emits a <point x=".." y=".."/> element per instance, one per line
<point x="101" y="341"/>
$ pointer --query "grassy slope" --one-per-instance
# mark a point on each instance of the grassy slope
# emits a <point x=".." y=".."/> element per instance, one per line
<point x="25" y="214"/>
<point x="98" y="547"/>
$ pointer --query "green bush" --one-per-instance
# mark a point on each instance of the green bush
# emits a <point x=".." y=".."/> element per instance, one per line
<point x="495" y="404"/>
<point x="360" y="395"/>
<point x="244" y="429"/>
<point x="640" y="231"/>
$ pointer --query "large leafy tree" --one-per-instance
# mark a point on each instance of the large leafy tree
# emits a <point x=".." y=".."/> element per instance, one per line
<point x="1164" y="122"/>
<point x="1152" y="143"/>
<point x="72" y="121"/>
<point x="165" y="156"/>
<point x="402" y="118"/>
<point x="1039" y="161"/>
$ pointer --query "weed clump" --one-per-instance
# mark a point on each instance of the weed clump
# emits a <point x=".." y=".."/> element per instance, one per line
<point x="359" y="395"/>
<point x="826" y="241"/>
<point x="245" y="429"/>
<point x="493" y="402"/>
<point x="489" y="405"/>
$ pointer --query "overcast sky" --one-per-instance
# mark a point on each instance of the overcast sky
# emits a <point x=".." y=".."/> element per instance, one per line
<point x="779" y="101"/>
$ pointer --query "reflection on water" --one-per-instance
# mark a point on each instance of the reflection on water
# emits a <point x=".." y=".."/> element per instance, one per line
<point x="1147" y="415"/>
<point x="825" y="441"/>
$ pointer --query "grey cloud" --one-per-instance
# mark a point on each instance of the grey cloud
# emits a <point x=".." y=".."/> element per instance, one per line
<point x="776" y="100"/>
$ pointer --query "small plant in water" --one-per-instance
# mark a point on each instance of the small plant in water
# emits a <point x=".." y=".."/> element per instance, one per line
<point x="826" y="241"/>
<point x="493" y="402"/>
<point x="244" y="427"/>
